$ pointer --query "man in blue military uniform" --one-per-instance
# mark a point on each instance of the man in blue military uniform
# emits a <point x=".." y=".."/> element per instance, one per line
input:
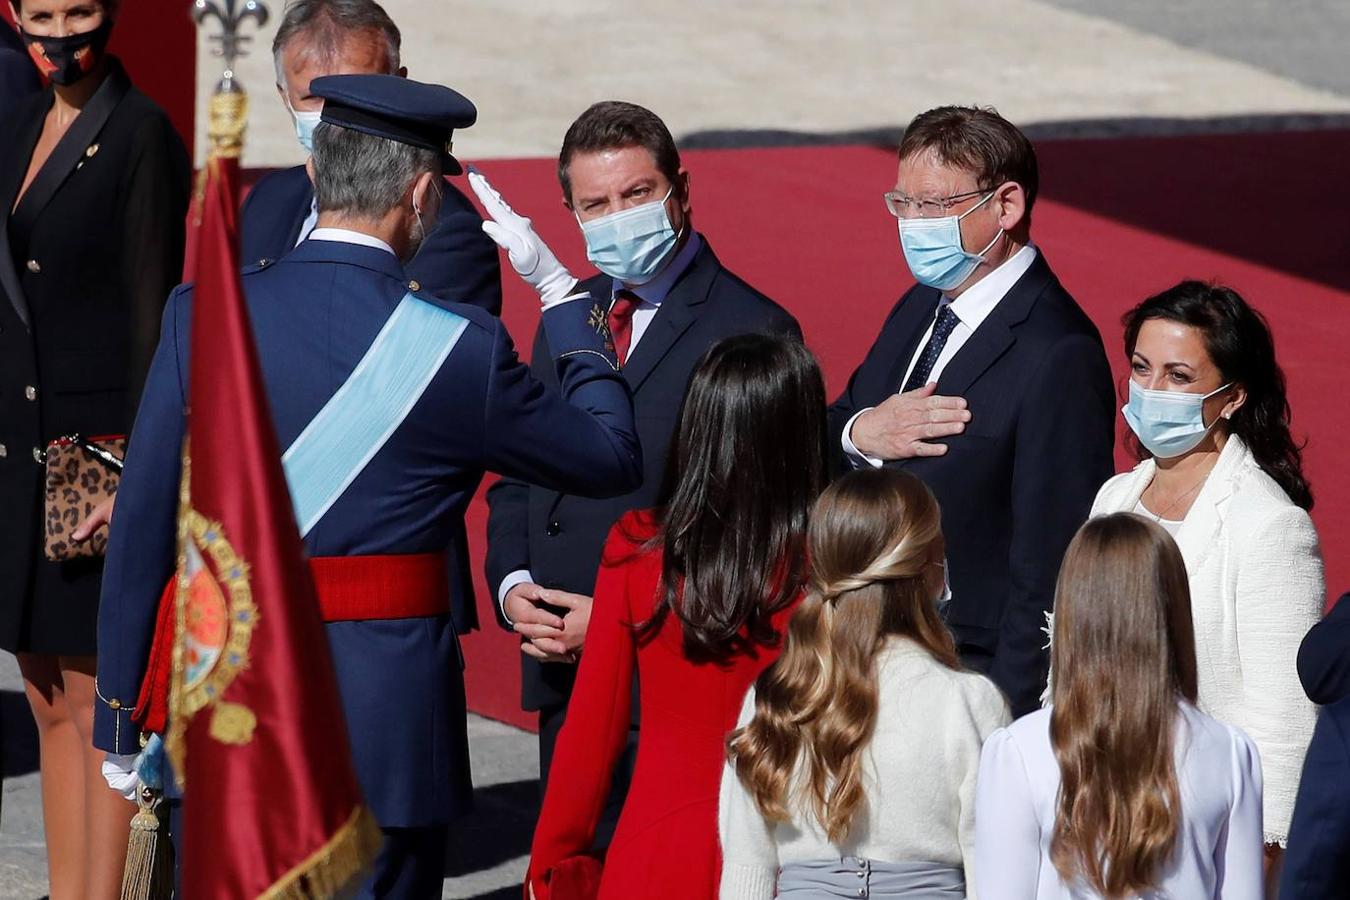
<point x="456" y="261"/>
<point x="378" y="504"/>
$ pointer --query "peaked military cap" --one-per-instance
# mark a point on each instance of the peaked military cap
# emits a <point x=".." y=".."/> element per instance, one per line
<point x="387" y="106"/>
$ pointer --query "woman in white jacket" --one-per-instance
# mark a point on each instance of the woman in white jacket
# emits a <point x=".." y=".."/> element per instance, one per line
<point x="1223" y="475"/>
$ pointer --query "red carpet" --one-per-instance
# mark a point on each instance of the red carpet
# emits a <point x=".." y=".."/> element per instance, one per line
<point x="1117" y="219"/>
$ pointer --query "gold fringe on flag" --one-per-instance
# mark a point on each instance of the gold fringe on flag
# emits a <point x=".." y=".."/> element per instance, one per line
<point x="149" y="867"/>
<point x="335" y="866"/>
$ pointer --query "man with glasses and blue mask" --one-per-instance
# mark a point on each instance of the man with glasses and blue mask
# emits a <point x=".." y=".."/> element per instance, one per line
<point x="989" y="383"/>
<point x="666" y="298"/>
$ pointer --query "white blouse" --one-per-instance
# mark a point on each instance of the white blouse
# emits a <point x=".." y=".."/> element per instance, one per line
<point x="1218" y="853"/>
<point x="918" y="776"/>
<point x="1255" y="572"/>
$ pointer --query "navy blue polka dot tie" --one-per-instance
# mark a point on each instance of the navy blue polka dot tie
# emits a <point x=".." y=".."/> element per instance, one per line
<point x="942" y="329"/>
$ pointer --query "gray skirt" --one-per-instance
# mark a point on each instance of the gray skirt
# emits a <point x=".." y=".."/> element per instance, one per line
<point x="853" y="876"/>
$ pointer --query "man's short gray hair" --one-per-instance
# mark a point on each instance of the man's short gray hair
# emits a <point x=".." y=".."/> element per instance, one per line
<point x="362" y="175"/>
<point x="327" y="23"/>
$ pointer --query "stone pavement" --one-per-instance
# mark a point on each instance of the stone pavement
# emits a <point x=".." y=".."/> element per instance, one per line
<point x="488" y="852"/>
<point x="827" y="69"/>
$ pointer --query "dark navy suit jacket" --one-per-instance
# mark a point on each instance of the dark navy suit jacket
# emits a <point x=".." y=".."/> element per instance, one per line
<point x="314" y="314"/>
<point x="1017" y="484"/>
<point x="457" y="262"/>
<point x="1317" y="863"/>
<point x="558" y="535"/>
<point x="1324" y="656"/>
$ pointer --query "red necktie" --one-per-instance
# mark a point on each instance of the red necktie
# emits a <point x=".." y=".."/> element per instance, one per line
<point x="621" y="322"/>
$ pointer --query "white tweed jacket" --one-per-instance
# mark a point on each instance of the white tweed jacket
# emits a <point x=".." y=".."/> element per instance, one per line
<point x="1257" y="586"/>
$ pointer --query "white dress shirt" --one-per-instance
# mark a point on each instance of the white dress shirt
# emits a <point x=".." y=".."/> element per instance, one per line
<point x="347" y="236"/>
<point x="307" y="226"/>
<point x="971" y="309"/>
<point x="652" y="295"/>
<point x="1218" y="852"/>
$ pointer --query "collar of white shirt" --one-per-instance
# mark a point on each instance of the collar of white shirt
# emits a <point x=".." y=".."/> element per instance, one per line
<point x="347" y="236"/>
<point x="978" y="301"/>
<point x="654" y="292"/>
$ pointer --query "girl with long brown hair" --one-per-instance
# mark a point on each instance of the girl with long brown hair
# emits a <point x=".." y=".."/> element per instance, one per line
<point x="853" y="767"/>
<point x="1121" y="788"/>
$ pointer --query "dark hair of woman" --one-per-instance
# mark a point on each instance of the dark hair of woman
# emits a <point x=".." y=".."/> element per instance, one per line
<point x="1239" y="342"/>
<point x="1123" y="657"/>
<point x="746" y="462"/>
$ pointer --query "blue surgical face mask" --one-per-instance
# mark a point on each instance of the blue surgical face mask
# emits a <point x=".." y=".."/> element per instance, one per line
<point x="934" y="253"/>
<point x="1168" y="423"/>
<point x="631" y="245"/>
<point x="306" y="120"/>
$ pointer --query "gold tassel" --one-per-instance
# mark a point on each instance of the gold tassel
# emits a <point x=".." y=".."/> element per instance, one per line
<point x="148" y="874"/>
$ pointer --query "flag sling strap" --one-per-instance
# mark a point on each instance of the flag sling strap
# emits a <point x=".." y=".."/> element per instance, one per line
<point x="356" y="422"/>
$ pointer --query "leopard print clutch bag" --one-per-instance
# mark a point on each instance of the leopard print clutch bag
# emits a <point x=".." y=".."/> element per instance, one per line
<point x="81" y="474"/>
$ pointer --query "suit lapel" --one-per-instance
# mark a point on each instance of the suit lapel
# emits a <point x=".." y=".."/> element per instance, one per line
<point x="995" y="334"/>
<point x="917" y="309"/>
<point x="1196" y="537"/>
<point x="673" y="318"/>
<point x="23" y="151"/>
<point x="75" y="145"/>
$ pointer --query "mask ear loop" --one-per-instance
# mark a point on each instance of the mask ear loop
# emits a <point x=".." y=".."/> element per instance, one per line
<point x="1001" y="233"/>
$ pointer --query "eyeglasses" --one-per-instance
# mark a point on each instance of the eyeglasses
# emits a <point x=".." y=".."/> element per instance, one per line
<point x="903" y="207"/>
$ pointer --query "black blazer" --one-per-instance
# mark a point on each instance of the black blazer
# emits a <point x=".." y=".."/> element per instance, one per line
<point x="1324" y="656"/>
<point x="559" y="537"/>
<point x="1017" y="484"/>
<point x="1317" y="863"/>
<point x="456" y="262"/>
<point x="86" y="263"/>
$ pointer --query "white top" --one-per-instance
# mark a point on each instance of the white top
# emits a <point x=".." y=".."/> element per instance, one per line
<point x="919" y="778"/>
<point x="1257" y="586"/>
<point x="1171" y="526"/>
<point x="971" y="309"/>
<point x="1218" y="853"/>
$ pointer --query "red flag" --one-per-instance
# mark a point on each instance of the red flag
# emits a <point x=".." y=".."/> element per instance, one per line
<point x="256" y="732"/>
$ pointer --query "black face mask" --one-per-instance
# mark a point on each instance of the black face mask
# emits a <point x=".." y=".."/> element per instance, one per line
<point x="65" y="60"/>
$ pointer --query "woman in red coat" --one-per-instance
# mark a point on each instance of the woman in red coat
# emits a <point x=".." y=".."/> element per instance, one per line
<point x="693" y="597"/>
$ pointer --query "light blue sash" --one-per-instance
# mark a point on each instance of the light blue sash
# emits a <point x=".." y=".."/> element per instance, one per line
<point x="357" y="421"/>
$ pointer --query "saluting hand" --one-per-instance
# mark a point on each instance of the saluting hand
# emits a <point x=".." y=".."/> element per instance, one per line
<point x="530" y="256"/>
<point x="903" y="425"/>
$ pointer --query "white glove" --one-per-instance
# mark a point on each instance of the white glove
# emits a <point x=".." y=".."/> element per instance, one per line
<point x="119" y="770"/>
<point x="529" y="255"/>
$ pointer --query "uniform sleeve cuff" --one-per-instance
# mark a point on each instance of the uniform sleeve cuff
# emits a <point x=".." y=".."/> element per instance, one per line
<point x="114" y="732"/>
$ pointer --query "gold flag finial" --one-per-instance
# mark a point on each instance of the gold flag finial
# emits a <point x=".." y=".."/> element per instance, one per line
<point x="228" y="110"/>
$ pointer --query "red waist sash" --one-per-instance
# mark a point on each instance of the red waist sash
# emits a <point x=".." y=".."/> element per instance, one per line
<point x="350" y="589"/>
